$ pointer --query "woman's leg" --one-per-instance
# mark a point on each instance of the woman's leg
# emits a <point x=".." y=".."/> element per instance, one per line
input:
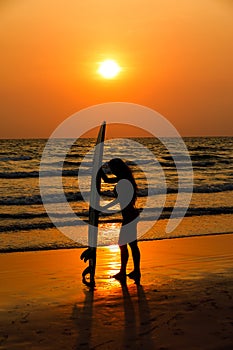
<point x="121" y="276"/>
<point x="136" y="256"/>
<point x="124" y="258"/>
<point x="123" y="249"/>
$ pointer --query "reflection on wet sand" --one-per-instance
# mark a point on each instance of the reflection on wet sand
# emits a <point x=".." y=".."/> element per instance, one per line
<point x="126" y="310"/>
<point x="185" y="300"/>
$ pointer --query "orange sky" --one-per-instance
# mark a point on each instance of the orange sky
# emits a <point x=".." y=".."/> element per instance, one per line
<point x="176" y="57"/>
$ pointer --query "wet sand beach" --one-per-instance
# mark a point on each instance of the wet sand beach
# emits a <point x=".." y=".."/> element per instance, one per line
<point x="184" y="301"/>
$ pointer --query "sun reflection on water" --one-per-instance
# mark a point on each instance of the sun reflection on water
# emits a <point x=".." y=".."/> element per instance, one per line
<point x="109" y="233"/>
<point x="113" y="248"/>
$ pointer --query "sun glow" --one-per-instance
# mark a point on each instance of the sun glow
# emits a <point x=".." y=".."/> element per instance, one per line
<point x="109" y="69"/>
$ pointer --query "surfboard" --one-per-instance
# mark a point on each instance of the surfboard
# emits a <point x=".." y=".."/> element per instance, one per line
<point x="90" y="253"/>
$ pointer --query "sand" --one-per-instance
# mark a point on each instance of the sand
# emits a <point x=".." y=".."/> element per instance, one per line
<point x="184" y="301"/>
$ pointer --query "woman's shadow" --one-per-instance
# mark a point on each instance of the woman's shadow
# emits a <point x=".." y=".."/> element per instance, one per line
<point x="137" y="332"/>
<point x="137" y="335"/>
<point x="146" y="327"/>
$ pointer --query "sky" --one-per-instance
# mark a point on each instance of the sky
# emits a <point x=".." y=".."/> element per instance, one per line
<point x="176" y="58"/>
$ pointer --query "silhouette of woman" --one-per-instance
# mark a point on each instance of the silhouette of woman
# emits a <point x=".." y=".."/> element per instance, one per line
<point x="126" y="194"/>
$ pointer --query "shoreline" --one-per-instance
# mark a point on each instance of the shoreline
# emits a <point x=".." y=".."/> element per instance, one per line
<point x="53" y="239"/>
<point x="39" y="249"/>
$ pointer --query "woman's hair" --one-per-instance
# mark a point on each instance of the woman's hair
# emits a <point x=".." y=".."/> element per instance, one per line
<point x="122" y="171"/>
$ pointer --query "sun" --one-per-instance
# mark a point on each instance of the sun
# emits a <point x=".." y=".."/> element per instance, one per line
<point x="109" y="69"/>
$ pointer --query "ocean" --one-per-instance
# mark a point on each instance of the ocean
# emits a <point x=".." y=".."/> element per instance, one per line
<point x="25" y="224"/>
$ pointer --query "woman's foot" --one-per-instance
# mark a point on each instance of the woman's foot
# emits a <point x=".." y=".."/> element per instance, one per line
<point x="121" y="277"/>
<point x="136" y="276"/>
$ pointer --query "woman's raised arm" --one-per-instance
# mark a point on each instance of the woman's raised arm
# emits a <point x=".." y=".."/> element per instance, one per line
<point x="110" y="180"/>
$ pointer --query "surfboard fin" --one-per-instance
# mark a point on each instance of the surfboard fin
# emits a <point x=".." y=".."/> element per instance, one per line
<point x="91" y="282"/>
<point x="89" y="253"/>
